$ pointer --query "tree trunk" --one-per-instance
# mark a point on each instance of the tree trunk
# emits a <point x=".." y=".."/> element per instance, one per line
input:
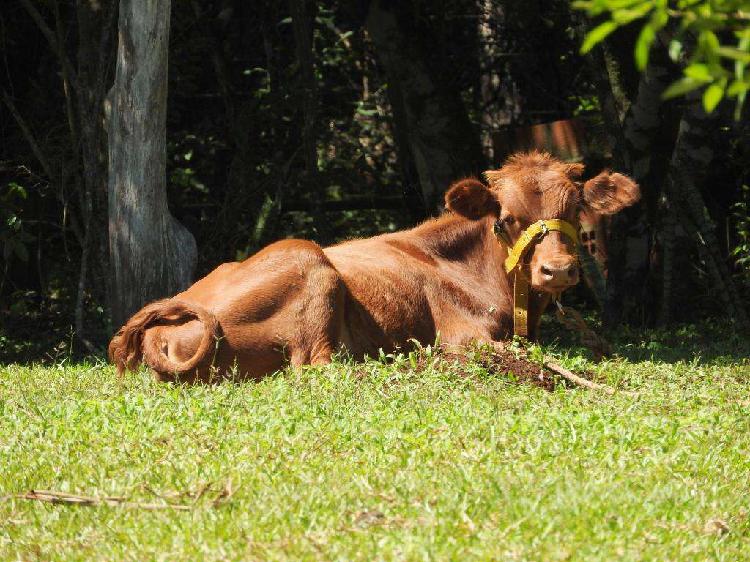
<point x="668" y="247"/>
<point x="491" y="86"/>
<point x="303" y="18"/>
<point x="151" y="254"/>
<point x="95" y="57"/>
<point x="410" y="181"/>
<point x="84" y="88"/>
<point x="533" y="68"/>
<point x="636" y="139"/>
<point x="689" y="167"/>
<point x="431" y="118"/>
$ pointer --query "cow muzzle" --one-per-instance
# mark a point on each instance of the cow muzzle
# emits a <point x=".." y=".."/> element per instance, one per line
<point x="554" y="266"/>
<point x="555" y="275"/>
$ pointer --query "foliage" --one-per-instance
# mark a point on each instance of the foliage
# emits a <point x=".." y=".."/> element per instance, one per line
<point x="714" y="37"/>
<point x="398" y="460"/>
<point x="741" y="251"/>
<point x="13" y="236"/>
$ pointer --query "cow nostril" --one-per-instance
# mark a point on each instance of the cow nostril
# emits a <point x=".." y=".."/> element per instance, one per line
<point x="546" y="271"/>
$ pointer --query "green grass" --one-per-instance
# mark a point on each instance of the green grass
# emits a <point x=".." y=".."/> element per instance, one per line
<point x="380" y="461"/>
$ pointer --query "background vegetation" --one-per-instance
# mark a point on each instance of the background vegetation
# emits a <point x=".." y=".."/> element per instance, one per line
<point x="345" y="118"/>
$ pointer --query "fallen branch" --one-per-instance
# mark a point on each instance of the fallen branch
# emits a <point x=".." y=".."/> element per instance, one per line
<point x="580" y="381"/>
<point x="91" y="501"/>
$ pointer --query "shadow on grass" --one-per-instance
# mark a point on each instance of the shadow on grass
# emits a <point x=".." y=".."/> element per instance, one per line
<point x="47" y="340"/>
<point x="710" y="342"/>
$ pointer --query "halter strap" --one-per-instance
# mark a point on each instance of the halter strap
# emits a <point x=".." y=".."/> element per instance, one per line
<point x="538" y="229"/>
<point x="521" y="288"/>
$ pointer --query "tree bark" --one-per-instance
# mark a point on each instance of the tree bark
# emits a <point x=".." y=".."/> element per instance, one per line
<point x="412" y="192"/>
<point x="94" y="65"/>
<point x="689" y="167"/>
<point x="636" y="138"/>
<point x="303" y="18"/>
<point x="431" y="118"/>
<point x="84" y="88"/>
<point x="668" y="246"/>
<point x="645" y="141"/>
<point x="534" y="67"/>
<point x="152" y="255"/>
<point x="491" y="86"/>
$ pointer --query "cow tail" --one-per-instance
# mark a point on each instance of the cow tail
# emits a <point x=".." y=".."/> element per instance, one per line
<point x="126" y="350"/>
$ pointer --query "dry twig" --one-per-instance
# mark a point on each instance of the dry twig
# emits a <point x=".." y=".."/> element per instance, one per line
<point x="580" y="381"/>
<point x="92" y="501"/>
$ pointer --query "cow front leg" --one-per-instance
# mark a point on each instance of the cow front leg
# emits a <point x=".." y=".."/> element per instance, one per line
<point x="462" y="337"/>
<point x="319" y="355"/>
<point x="318" y="318"/>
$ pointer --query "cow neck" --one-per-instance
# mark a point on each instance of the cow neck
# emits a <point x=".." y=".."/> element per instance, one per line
<point x="456" y="238"/>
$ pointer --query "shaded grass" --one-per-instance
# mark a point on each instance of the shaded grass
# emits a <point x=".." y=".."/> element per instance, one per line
<point x="397" y="460"/>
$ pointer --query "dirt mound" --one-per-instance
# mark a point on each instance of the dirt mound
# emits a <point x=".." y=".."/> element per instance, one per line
<point x="506" y="361"/>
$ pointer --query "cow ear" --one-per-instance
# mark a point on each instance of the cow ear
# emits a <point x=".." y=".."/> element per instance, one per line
<point x="607" y="193"/>
<point x="471" y="198"/>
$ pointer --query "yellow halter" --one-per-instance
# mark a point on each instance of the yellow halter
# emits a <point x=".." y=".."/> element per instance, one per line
<point x="531" y="235"/>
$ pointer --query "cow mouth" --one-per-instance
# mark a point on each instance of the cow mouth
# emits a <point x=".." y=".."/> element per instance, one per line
<point x="553" y="288"/>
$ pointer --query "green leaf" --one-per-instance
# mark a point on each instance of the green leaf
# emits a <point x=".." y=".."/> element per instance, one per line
<point x="17" y="189"/>
<point x="643" y="45"/>
<point x="582" y="5"/>
<point x="621" y="4"/>
<point x="659" y="19"/>
<point x="737" y="87"/>
<point x="698" y="71"/>
<point x="708" y="41"/>
<point x="623" y="17"/>
<point x="732" y="53"/>
<point x="597" y="35"/>
<point x="712" y="96"/>
<point x="681" y="87"/>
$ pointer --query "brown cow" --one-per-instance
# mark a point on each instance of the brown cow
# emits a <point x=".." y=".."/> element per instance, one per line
<point x="294" y="301"/>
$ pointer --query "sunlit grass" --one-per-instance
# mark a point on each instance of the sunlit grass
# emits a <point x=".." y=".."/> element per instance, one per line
<point x="383" y="461"/>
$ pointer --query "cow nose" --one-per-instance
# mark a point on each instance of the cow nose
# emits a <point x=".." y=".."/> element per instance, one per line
<point x="565" y="274"/>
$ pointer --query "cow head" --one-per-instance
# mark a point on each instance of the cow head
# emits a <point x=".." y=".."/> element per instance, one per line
<point x="535" y="186"/>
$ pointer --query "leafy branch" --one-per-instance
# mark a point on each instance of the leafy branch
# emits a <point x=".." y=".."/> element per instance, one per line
<point x="713" y="37"/>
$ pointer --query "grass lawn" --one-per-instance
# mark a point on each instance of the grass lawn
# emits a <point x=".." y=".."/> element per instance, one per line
<point x="384" y="461"/>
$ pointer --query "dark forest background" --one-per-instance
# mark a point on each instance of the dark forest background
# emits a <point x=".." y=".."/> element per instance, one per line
<point x="329" y="120"/>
